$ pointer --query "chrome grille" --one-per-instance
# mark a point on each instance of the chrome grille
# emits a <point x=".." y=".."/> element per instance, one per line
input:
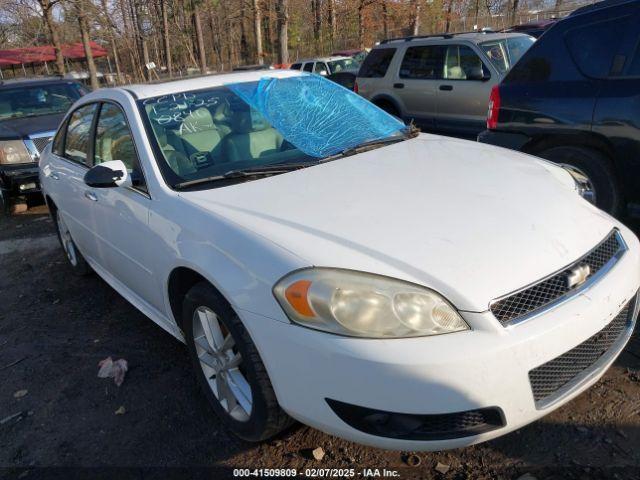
<point x="40" y="142"/>
<point x="553" y="288"/>
<point x="547" y="379"/>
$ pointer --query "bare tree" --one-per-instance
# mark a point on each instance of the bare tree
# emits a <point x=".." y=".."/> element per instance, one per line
<point x="316" y="7"/>
<point x="165" y="37"/>
<point x="415" y="17"/>
<point x="202" y="55"/>
<point x="558" y="6"/>
<point x="257" y="31"/>
<point x="282" y="7"/>
<point x="81" y="11"/>
<point x="385" y="19"/>
<point x="512" y="11"/>
<point x="47" y="13"/>
<point x="332" y="22"/>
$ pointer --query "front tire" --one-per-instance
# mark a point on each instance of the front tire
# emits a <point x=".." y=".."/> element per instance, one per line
<point x="228" y="367"/>
<point x="595" y="167"/>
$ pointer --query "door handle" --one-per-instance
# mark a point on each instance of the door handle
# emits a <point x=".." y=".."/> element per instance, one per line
<point x="398" y="85"/>
<point x="91" y="196"/>
<point x="446" y="88"/>
<point x="54" y="175"/>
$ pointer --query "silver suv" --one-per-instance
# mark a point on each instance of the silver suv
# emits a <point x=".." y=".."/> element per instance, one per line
<point x="442" y="82"/>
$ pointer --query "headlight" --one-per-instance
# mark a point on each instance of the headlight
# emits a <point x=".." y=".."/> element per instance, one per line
<point x="364" y="305"/>
<point x="582" y="183"/>
<point x="14" y="151"/>
<point x="572" y="178"/>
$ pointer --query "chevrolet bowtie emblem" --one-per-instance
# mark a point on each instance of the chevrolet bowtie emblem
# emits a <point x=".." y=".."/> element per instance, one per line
<point x="578" y="275"/>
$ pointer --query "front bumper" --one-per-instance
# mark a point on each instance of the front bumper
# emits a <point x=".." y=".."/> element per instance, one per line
<point x="487" y="367"/>
<point x="19" y="179"/>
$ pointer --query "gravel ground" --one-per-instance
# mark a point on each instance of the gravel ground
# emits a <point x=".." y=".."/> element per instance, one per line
<point x="55" y="328"/>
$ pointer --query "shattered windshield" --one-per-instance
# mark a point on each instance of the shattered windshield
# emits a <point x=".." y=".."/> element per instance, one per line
<point x="275" y="121"/>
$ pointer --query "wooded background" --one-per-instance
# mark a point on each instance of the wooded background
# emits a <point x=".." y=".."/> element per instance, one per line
<point x="182" y="37"/>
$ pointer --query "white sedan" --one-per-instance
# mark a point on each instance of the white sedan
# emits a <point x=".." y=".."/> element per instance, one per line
<point x="325" y="263"/>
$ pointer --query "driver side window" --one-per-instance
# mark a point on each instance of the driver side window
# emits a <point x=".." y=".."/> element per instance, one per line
<point x="113" y="141"/>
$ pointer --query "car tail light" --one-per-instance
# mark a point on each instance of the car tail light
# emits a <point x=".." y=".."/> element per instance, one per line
<point x="494" y="108"/>
<point x="355" y="86"/>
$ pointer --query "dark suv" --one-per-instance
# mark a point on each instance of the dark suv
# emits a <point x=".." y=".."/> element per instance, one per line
<point x="574" y="98"/>
<point x="30" y="111"/>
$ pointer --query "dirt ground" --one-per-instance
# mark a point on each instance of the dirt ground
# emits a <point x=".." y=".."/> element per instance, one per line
<point x="55" y="412"/>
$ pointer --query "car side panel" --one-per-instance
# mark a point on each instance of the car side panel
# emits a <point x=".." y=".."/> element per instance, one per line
<point x="617" y="117"/>
<point x="545" y="93"/>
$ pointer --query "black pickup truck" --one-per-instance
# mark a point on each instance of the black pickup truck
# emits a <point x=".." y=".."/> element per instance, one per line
<point x="30" y="111"/>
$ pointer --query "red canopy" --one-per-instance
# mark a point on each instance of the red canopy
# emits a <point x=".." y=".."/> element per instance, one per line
<point x="16" y="56"/>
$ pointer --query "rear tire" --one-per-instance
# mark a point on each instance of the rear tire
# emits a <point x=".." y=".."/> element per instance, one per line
<point x="253" y="416"/>
<point x="77" y="262"/>
<point x="595" y="166"/>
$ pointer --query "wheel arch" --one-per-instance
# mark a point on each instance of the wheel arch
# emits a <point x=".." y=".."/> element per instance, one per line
<point x="378" y="100"/>
<point x="590" y="140"/>
<point x="180" y="280"/>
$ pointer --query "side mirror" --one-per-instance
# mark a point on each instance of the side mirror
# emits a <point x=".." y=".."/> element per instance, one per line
<point x="323" y="73"/>
<point x="108" y="174"/>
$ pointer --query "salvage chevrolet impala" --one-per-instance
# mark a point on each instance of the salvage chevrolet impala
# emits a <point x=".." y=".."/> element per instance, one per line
<point x="325" y="263"/>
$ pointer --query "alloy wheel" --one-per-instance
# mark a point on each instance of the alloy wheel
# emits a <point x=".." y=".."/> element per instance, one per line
<point x="221" y="364"/>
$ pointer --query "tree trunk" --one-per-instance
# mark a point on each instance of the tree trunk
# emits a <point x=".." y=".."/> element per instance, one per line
<point x="257" y="31"/>
<point x="512" y="13"/>
<point x="361" y="5"/>
<point x="165" y="37"/>
<point x="200" y="39"/>
<point x="47" y="11"/>
<point x="557" y="7"/>
<point x="332" y="22"/>
<point x="84" y="33"/>
<point x="415" y="21"/>
<point x="112" y="39"/>
<point x="317" y="23"/>
<point x="385" y="19"/>
<point x="448" y="19"/>
<point x="282" y="8"/>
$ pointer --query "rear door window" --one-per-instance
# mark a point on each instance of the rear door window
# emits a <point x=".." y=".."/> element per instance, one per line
<point x="308" y="67"/>
<point x="377" y="63"/>
<point x="423" y="63"/>
<point x="76" y="145"/>
<point x="296" y="66"/>
<point x="594" y="47"/>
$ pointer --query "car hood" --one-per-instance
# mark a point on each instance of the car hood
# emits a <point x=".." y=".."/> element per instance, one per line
<point x="471" y="221"/>
<point x="23" y="127"/>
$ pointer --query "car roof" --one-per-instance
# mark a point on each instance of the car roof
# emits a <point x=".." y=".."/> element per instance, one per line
<point x="599" y="5"/>
<point x="324" y="59"/>
<point x="149" y="90"/>
<point x="34" y="81"/>
<point x="475" y="37"/>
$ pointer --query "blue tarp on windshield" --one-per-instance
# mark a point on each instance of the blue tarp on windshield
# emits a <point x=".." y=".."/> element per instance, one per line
<point x="317" y="116"/>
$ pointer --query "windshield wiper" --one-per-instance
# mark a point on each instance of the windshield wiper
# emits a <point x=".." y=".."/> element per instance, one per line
<point x="410" y="131"/>
<point x="262" y="171"/>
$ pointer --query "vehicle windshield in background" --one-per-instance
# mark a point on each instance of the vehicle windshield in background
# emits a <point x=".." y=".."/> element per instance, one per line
<point x="505" y="52"/>
<point x="275" y="121"/>
<point x="31" y="101"/>
<point x="341" y="65"/>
